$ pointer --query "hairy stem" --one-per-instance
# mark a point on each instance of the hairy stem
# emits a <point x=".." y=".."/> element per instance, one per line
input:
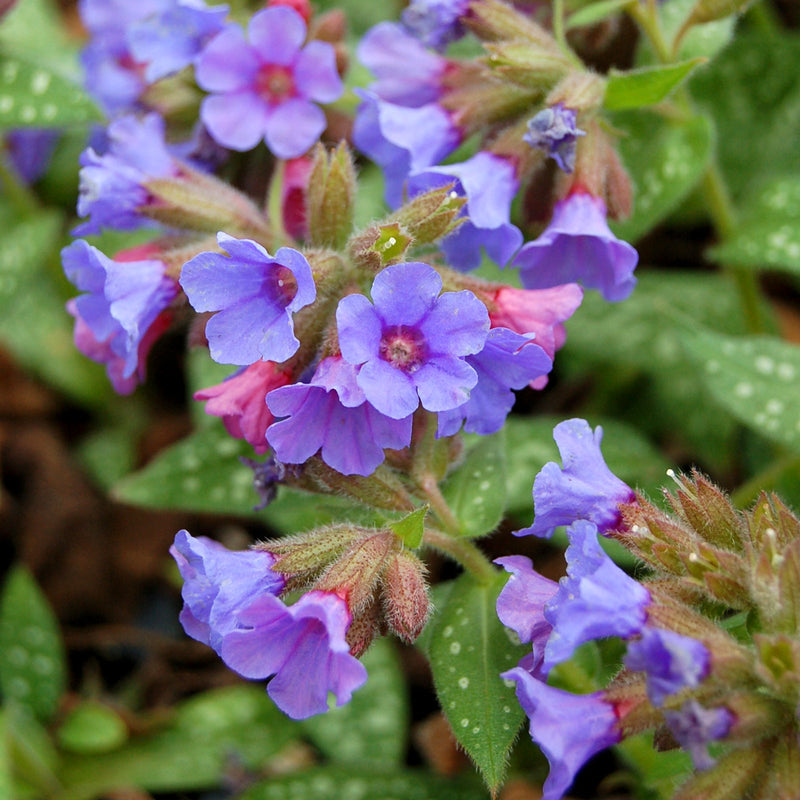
<point x="464" y="552"/>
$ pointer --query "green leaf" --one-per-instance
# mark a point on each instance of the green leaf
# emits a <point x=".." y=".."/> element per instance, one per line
<point x="203" y="473"/>
<point x="35" y="96"/>
<point x="476" y="490"/>
<point x="595" y="12"/>
<point x="753" y="93"/>
<point x="768" y="234"/>
<point x="33" y="759"/>
<point x="411" y="528"/>
<point x="469" y="649"/>
<point x="645" y="86"/>
<point x="92" y="727"/>
<point x="201" y="373"/>
<point x="665" y="159"/>
<point x="702" y="40"/>
<point x="220" y="730"/>
<point x="32" y="666"/>
<point x="756" y="378"/>
<point x="661" y="772"/>
<point x="373" y="727"/>
<point x="341" y="783"/>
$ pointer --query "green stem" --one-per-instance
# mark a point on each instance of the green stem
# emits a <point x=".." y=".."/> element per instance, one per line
<point x="647" y="18"/>
<point x="560" y="34"/>
<point x="275" y="204"/>
<point x="19" y="194"/>
<point x="723" y="217"/>
<point x="440" y="506"/>
<point x="463" y="551"/>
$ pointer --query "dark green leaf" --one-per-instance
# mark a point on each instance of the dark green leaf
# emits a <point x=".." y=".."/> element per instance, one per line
<point x="753" y="92"/>
<point x="595" y="12"/>
<point x="645" y="86"/>
<point x="756" y="378"/>
<point x="341" y="783"/>
<point x="469" y="649"/>
<point x="32" y="667"/>
<point x="35" y="96"/>
<point x="476" y="490"/>
<point x="665" y="160"/>
<point x="221" y="730"/>
<point x="373" y="727"/>
<point x="411" y="528"/>
<point x="204" y="473"/>
<point x="92" y="728"/>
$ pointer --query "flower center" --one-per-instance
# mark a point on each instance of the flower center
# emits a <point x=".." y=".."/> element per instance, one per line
<point x="275" y="83"/>
<point x="403" y="347"/>
<point x="281" y="285"/>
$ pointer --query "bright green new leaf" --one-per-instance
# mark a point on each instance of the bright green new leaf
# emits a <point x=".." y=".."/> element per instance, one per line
<point x="35" y="96"/>
<point x="411" y="528"/>
<point x="665" y="160"/>
<point x="373" y="727"/>
<point x="595" y="12"/>
<point x="645" y="86"/>
<point x="469" y="648"/>
<point x="33" y="760"/>
<point x="756" y="378"/>
<point x="476" y="490"/>
<point x="92" y="727"/>
<point x="337" y="782"/>
<point x="32" y="665"/>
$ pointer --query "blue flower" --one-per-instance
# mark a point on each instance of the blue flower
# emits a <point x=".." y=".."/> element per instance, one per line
<point x="302" y="645"/>
<point x="255" y="295"/>
<point x="569" y="728"/>
<point x="411" y="343"/>
<point x="218" y="582"/>
<point x="554" y="130"/>
<point x="695" y="726"/>
<point x="596" y="599"/>
<point x="436" y="23"/>
<point x="331" y="415"/>
<point x="113" y="185"/>
<point x="584" y="488"/>
<point x="579" y="246"/>
<point x="489" y="184"/>
<point x="671" y="661"/>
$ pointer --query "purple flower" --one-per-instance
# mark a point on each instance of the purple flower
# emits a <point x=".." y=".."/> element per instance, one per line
<point x="585" y="488"/>
<point x="112" y="186"/>
<point x="30" y="150"/>
<point x="436" y="23"/>
<point x="255" y="295"/>
<point x="402" y="140"/>
<point x="554" y="130"/>
<point x="112" y="75"/>
<point x="569" y="728"/>
<point x="170" y="39"/>
<point x="508" y="361"/>
<point x="331" y="415"/>
<point x="520" y="606"/>
<point x="672" y="662"/>
<point x="302" y="645"/>
<point x="489" y="183"/>
<point x="262" y="86"/>
<point x="578" y="246"/>
<point x="694" y="727"/>
<point x="218" y="582"/>
<point x="241" y="401"/>
<point x="122" y="302"/>
<point x="596" y="598"/>
<point x="408" y="74"/>
<point x="412" y="342"/>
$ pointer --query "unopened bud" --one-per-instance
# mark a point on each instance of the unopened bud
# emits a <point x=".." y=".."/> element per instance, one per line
<point x="405" y="595"/>
<point x="365" y="626"/>
<point x="493" y="20"/>
<point x="730" y="777"/>
<point x="432" y="215"/>
<point x="529" y="67"/>
<point x="779" y="661"/>
<point x="355" y="574"/>
<point x="331" y="197"/>
<point x="580" y="91"/>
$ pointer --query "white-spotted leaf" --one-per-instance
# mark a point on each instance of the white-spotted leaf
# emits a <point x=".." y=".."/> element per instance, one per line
<point x="476" y="490"/>
<point x="32" y="664"/>
<point x="756" y="378"/>
<point x="469" y="648"/>
<point x="33" y="96"/>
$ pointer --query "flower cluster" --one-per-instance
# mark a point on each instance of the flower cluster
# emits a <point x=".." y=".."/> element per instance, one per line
<point x="683" y="674"/>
